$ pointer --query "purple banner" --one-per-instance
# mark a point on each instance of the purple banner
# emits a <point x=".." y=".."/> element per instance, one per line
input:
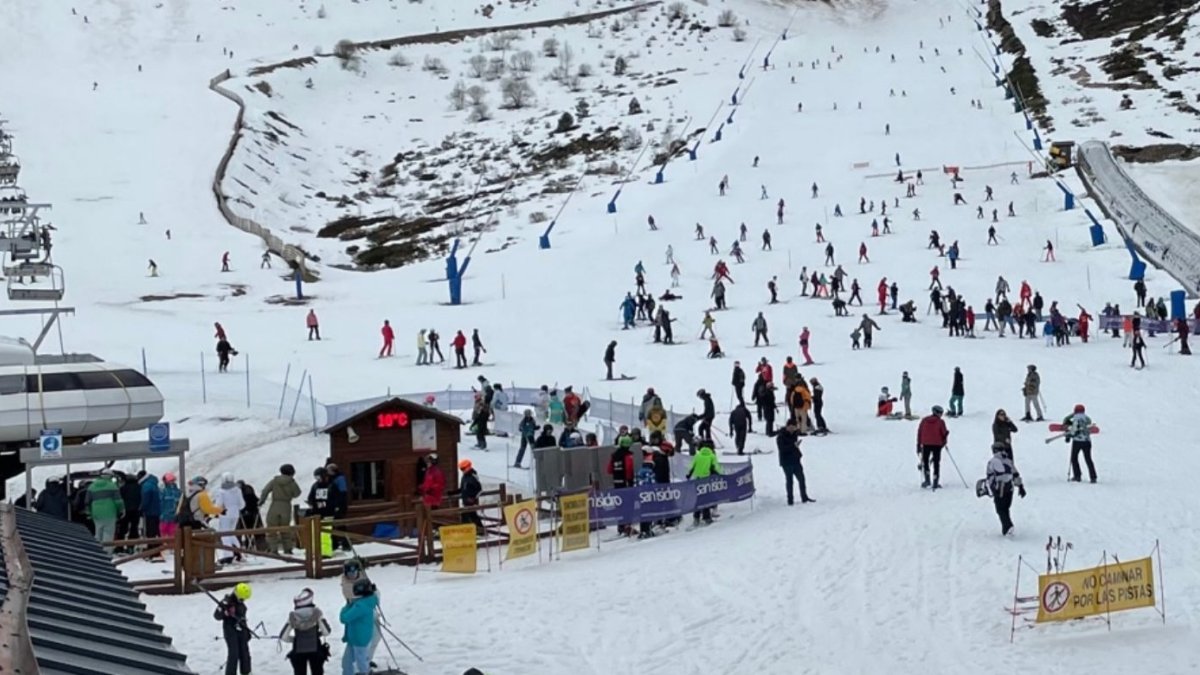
<point x="668" y="500"/>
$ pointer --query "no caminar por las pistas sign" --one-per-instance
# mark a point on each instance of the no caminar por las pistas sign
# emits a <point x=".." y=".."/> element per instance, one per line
<point x="1113" y="587"/>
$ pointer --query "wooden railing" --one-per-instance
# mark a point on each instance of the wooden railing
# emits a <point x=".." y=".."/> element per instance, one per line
<point x="193" y="552"/>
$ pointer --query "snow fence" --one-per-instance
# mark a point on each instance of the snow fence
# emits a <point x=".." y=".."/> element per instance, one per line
<point x="1155" y="233"/>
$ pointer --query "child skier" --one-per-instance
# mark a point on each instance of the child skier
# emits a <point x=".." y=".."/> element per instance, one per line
<point x="231" y="612"/>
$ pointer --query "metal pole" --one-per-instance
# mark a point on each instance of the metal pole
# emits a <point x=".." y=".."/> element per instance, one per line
<point x="144" y="362"/>
<point x="296" y="403"/>
<point x="247" y="380"/>
<point x="283" y="394"/>
<point x="312" y="402"/>
<point x="203" y="384"/>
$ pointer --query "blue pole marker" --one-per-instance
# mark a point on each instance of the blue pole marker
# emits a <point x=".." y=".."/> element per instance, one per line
<point x="733" y="98"/>
<point x="717" y="136"/>
<point x="692" y="152"/>
<point x="544" y="240"/>
<point x="658" y="177"/>
<point x="299" y="285"/>
<point x="742" y="73"/>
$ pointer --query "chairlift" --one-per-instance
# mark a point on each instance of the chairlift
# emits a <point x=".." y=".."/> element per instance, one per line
<point x="12" y="200"/>
<point x="46" y="282"/>
<point x="10" y="168"/>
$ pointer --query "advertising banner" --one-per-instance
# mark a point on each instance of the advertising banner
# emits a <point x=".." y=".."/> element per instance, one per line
<point x="624" y="506"/>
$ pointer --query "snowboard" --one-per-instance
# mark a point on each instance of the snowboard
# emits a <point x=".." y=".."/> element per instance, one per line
<point x="755" y="451"/>
<point x="1058" y="428"/>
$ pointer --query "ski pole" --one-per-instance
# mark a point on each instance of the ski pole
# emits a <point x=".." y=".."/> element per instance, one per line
<point x="402" y="643"/>
<point x="960" y="476"/>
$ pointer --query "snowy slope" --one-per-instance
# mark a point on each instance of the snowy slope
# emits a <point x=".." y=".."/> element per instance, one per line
<point x="878" y="574"/>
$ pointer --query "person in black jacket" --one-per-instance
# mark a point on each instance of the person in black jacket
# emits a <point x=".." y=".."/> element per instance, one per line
<point x="684" y="434"/>
<point x="764" y="398"/>
<point x="224" y="351"/>
<point x="469" y="488"/>
<point x="739" y="426"/>
<point x="131" y="494"/>
<point x="739" y="382"/>
<point x="1002" y="430"/>
<point x="707" y="417"/>
<point x="546" y="439"/>
<point x="620" y="464"/>
<point x="818" y="404"/>
<point x="610" y="357"/>
<point x="53" y="500"/>
<point x="662" y="458"/>
<point x="788" y="443"/>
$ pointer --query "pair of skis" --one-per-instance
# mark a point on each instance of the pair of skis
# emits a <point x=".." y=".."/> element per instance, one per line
<point x="1056" y="554"/>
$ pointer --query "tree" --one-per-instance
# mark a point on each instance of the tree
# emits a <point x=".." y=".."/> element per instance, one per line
<point x="345" y="52"/>
<point x="582" y="109"/>
<point x="585" y="70"/>
<point x="677" y="10"/>
<point x="739" y="34"/>
<point x="565" y="123"/>
<point x="480" y="112"/>
<point x="458" y="96"/>
<point x="727" y="19"/>
<point x="399" y="60"/>
<point x="477" y="65"/>
<point x="434" y="65"/>
<point x="550" y="47"/>
<point x="476" y="94"/>
<point x="521" y="62"/>
<point x="635" y="108"/>
<point x="495" y="69"/>
<point x="566" y="64"/>
<point x="631" y="138"/>
<point x="516" y="93"/>
<point x="620" y="66"/>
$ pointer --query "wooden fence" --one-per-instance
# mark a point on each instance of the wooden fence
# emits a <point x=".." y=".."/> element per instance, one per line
<point x="193" y="552"/>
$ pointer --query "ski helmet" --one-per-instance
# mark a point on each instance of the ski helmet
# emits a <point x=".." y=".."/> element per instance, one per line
<point x="464" y="465"/>
<point x="169" y="477"/>
<point x="999" y="447"/>
<point x="352" y="568"/>
<point x="363" y="588"/>
<point x="242" y="591"/>
<point x="1078" y="407"/>
<point x="937" y="410"/>
<point x="305" y="599"/>
<point x="200" y="482"/>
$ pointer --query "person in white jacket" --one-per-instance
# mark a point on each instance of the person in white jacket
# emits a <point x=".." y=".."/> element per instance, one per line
<point x="543" y="404"/>
<point x="230" y="500"/>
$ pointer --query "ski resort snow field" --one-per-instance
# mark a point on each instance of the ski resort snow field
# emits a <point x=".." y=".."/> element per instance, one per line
<point x="878" y="574"/>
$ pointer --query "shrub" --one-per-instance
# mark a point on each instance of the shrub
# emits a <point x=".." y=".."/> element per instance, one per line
<point x="585" y="70"/>
<point x="727" y="19"/>
<point x="635" y="108"/>
<point x="677" y="10"/>
<point x="495" y="69"/>
<point x="516" y="93"/>
<point x="582" y="109"/>
<point x="521" y="62"/>
<point x="321" y="14"/>
<point x="480" y="112"/>
<point x="477" y="65"/>
<point x="631" y="138"/>
<point x="739" y="34"/>
<point x="565" y="123"/>
<point x="476" y="94"/>
<point x="458" y="96"/>
<point x="399" y="60"/>
<point x="550" y="47"/>
<point x="620" y="66"/>
<point x="434" y="65"/>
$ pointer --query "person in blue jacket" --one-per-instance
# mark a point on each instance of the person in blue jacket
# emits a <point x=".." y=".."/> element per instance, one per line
<point x="151" y="504"/>
<point x="358" y="617"/>
<point x="628" y="309"/>
<point x="528" y="428"/>
<point x="952" y="254"/>
<point x="1048" y="333"/>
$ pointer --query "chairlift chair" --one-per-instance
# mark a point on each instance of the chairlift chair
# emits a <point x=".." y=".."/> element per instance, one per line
<point x="50" y="288"/>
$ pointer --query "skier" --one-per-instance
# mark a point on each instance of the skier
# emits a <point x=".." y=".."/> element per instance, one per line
<point x="628" y="305"/>
<point x="956" y="394"/>
<point x="104" y="506"/>
<point x="314" y="327"/>
<point x="224" y="351"/>
<point x="718" y="294"/>
<point x="739" y="382"/>
<point x="760" y="329"/>
<point x="829" y="255"/>
<point x="773" y="289"/>
<point x="862" y="253"/>
<point x="358" y="617"/>
<point x="1138" y="346"/>
<point x="422" y="349"/>
<point x="1049" y="249"/>
<point x="804" y="339"/>
<point x="306" y="630"/>
<point x="787" y="442"/>
<point x="153" y="268"/>
<point x="934" y="281"/>
<point x="282" y="490"/>
<point x="432" y="339"/>
<point x="459" y="343"/>
<point x="881" y="293"/>
<point x="931" y="438"/>
<point x="906" y="394"/>
<point x="527" y="428"/>
<point x="854" y="293"/>
<point x="991" y="240"/>
<point x="1002" y="476"/>
<point x="674" y="275"/>
<point x="389" y="336"/>
<point x="225" y="262"/>
<point x="231" y="612"/>
<point x="704" y="464"/>
<point x="815" y="191"/>
<point x="739" y="426"/>
<point x="610" y="357"/>
<point x="1139" y="287"/>
<point x="266" y="261"/>
<point x="650" y="220"/>
<point x="477" y="346"/>
<point x="1032" y="390"/>
<point x="1078" y="428"/>
<point x="766" y="240"/>
<point x="868" y="326"/>
<point x="704" y="431"/>
<point x="779" y="213"/>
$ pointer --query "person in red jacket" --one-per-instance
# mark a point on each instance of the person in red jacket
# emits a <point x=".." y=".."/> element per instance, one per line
<point x="931" y="438"/>
<point x="220" y="334"/>
<point x="1084" y="320"/>
<point x="882" y="292"/>
<point x="389" y="336"/>
<point x="571" y="404"/>
<point x="431" y="491"/>
<point x="460" y="349"/>
<point x="764" y="370"/>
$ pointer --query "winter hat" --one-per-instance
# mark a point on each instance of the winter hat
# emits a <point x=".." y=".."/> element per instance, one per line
<point x="464" y="465"/>
<point x="227" y="480"/>
<point x="169" y="477"/>
<point x="1078" y="407"/>
<point x="305" y="599"/>
<point x="937" y="410"/>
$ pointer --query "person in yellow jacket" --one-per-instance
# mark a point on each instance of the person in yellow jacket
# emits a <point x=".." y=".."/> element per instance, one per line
<point x="801" y="404"/>
<point x="199" y="506"/>
<point x="656" y="420"/>
<point x="704" y="464"/>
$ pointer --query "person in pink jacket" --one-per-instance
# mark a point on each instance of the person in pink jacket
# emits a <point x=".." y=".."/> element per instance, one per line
<point x="389" y="336"/>
<point x="804" y="335"/>
<point x="314" y="327"/>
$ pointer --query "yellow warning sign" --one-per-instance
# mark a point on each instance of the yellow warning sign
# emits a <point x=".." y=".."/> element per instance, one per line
<point x="458" y="548"/>
<point x="522" y="529"/>
<point x="1113" y="587"/>
<point x="576" y="525"/>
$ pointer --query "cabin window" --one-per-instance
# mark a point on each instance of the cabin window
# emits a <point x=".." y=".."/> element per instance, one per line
<point x="12" y="384"/>
<point x="98" y="380"/>
<point x="367" y="480"/>
<point x="53" y="382"/>
<point x="132" y="378"/>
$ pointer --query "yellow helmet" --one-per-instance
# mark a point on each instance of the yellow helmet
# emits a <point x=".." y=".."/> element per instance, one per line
<point x="242" y="591"/>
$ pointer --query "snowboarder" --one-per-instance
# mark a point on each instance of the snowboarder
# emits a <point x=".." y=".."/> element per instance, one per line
<point x="224" y="351"/>
<point x="956" y="394"/>
<point x="477" y="346"/>
<point x="1032" y="390"/>
<point x="459" y="343"/>
<point x="389" y="336"/>
<point x="610" y="357"/>
<point x="314" y="327"/>
<point x="434" y="347"/>
<point x="231" y="612"/>
<point x="760" y="329"/>
<point x="1002" y="477"/>
<point x="787" y="442"/>
<point x="884" y="407"/>
<point x="932" y="435"/>
<point x="1078" y="428"/>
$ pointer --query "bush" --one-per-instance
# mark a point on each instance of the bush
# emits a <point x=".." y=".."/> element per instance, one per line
<point x="727" y="19"/>
<point x="476" y="94"/>
<point x="495" y="69"/>
<point x="501" y="42"/>
<point x="739" y="34"/>
<point x="480" y="112"/>
<point x="321" y="14"/>
<point x="399" y="60"/>
<point x="635" y="108"/>
<point x="620" y="66"/>
<point x="677" y="10"/>
<point x="585" y="70"/>
<point x="477" y="65"/>
<point x="550" y="48"/>
<point x="344" y="49"/>
<point x="458" y="96"/>
<point x="631" y="138"/>
<point x="516" y="94"/>
<point x="521" y="62"/>
<point x="565" y="123"/>
<point x="434" y="65"/>
<point x="582" y="109"/>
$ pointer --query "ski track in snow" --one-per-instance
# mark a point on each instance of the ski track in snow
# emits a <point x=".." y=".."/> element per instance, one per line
<point x="877" y="576"/>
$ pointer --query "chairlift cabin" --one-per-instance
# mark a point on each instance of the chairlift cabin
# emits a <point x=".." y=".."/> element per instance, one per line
<point x="46" y="283"/>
